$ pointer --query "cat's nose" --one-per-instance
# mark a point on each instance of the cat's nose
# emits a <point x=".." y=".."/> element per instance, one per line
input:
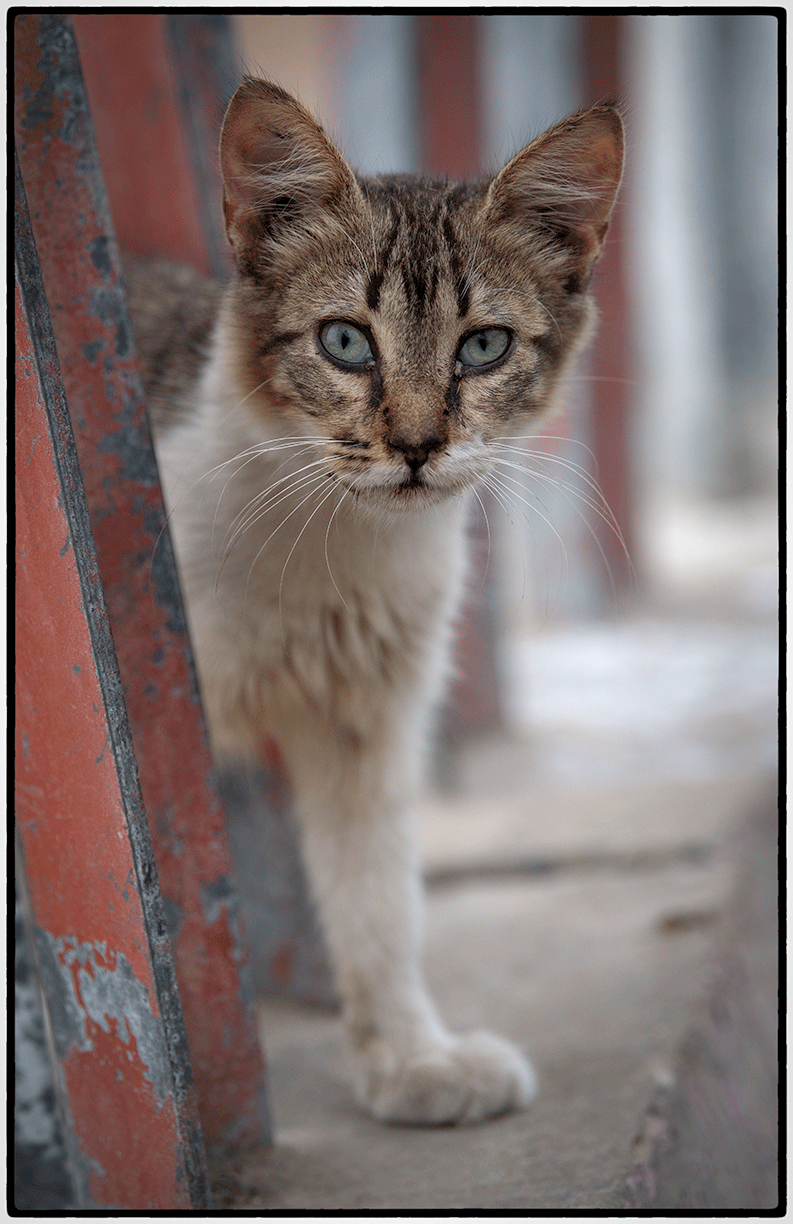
<point x="416" y="452"/>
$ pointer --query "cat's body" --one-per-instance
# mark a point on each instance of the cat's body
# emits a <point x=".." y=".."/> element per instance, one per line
<point x="321" y="427"/>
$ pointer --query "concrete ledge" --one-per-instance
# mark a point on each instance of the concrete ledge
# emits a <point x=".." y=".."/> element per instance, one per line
<point x="711" y="1140"/>
<point x="642" y="985"/>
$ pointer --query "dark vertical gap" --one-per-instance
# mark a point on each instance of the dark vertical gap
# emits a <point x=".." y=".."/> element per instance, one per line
<point x="207" y="74"/>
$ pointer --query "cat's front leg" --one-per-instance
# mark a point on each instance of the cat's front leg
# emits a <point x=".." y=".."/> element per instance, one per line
<point x="362" y="864"/>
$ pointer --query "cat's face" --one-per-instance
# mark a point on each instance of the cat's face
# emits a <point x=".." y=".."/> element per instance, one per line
<point x="408" y="324"/>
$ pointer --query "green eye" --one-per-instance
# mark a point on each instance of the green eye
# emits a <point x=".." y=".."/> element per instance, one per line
<point x="346" y="344"/>
<point x="484" y="347"/>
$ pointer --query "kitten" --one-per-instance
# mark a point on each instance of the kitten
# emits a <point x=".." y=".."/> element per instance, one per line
<point x="321" y="426"/>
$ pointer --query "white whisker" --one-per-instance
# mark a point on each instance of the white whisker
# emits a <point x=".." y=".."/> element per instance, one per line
<point x="268" y="499"/>
<point x="596" y="503"/>
<point x="505" y="497"/>
<point x="530" y="505"/>
<point x="327" y="558"/>
<point x="487" y="525"/>
<point x="318" y="507"/>
<point x="275" y="530"/>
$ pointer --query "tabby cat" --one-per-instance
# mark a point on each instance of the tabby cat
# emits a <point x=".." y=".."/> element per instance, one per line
<point x="322" y="423"/>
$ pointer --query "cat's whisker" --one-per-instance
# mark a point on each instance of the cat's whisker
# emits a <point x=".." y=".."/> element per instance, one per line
<point x="232" y="411"/>
<point x="327" y="558"/>
<point x="532" y="298"/>
<point x="264" y="448"/>
<point x="551" y="316"/>
<point x="569" y="465"/>
<point x="211" y="473"/>
<point x="278" y="527"/>
<point x="487" y="525"/>
<point x="546" y="437"/>
<point x="470" y="270"/>
<point x="564" y="490"/>
<point x="318" y="507"/>
<point x="268" y="499"/>
<point x="499" y="496"/>
<point x="259" y="505"/>
<point x="515" y="496"/>
<point x="597" y="503"/>
<point x="360" y="252"/>
<point x="508" y="501"/>
<point x="258" y="453"/>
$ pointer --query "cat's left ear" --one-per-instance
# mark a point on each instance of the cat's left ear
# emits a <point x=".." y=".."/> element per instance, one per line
<point x="280" y="170"/>
<point x="564" y="185"/>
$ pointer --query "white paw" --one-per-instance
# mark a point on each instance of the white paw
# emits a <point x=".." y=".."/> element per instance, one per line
<point x="470" y="1078"/>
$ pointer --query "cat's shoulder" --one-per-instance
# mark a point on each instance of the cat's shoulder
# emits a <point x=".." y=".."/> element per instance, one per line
<point x="173" y="310"/>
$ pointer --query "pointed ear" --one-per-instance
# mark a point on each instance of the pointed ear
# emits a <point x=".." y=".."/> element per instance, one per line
<point x="564" y="184"/>
<point x="279" y="168"/>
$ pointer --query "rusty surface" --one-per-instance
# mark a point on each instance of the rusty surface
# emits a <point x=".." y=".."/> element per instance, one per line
<point x="146" y="161"/>
<point x="80" y="270"/>
<point x="101" y="944"/>
<point x="288" y="955"/>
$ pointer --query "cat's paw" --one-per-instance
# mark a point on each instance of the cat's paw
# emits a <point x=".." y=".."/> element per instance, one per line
<point x="466" y="1080"/>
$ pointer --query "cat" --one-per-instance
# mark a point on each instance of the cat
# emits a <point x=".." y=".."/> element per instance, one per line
<point x="321" y="424"/>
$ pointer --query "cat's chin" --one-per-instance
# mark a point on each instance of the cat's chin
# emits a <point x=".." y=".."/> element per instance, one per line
<point x="408" y="498"/>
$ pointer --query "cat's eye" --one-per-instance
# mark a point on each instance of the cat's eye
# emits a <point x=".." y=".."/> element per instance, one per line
<point x="346" y="344"/>
<point x="484" y="347"/>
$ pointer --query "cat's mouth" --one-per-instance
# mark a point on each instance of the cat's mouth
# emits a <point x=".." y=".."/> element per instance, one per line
<point x="412" y="482"/>
<point x="413" y="493"/>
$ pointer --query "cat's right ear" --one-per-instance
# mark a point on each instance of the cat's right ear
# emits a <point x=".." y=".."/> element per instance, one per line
<point x="563" y="185"/>
<point x="279" y="169"/>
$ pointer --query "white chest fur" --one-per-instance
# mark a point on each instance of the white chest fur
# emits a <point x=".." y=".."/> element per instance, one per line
<point x="296" y="595"/>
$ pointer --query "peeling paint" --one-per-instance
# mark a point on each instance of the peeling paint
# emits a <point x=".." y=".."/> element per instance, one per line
<point x="84" y="981"/>
<point x="174" y="917"/>
<point x="92" y="350"/>
<point x="98" y="249"/>
<point x="216" y="897"/>
<point x="221" y="898"/>
<point x="66" y="1015"/>
<point x="116" y="994"/>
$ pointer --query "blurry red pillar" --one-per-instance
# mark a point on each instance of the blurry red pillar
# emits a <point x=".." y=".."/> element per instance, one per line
<point x="610" y="357"/>
<point x="451" y="105"/>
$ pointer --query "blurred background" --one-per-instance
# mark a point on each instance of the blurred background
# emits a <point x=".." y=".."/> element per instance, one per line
<point x="671" y="418"/>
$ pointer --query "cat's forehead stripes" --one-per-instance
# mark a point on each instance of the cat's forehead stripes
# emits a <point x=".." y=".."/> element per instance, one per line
<point x="420" y="245"/>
